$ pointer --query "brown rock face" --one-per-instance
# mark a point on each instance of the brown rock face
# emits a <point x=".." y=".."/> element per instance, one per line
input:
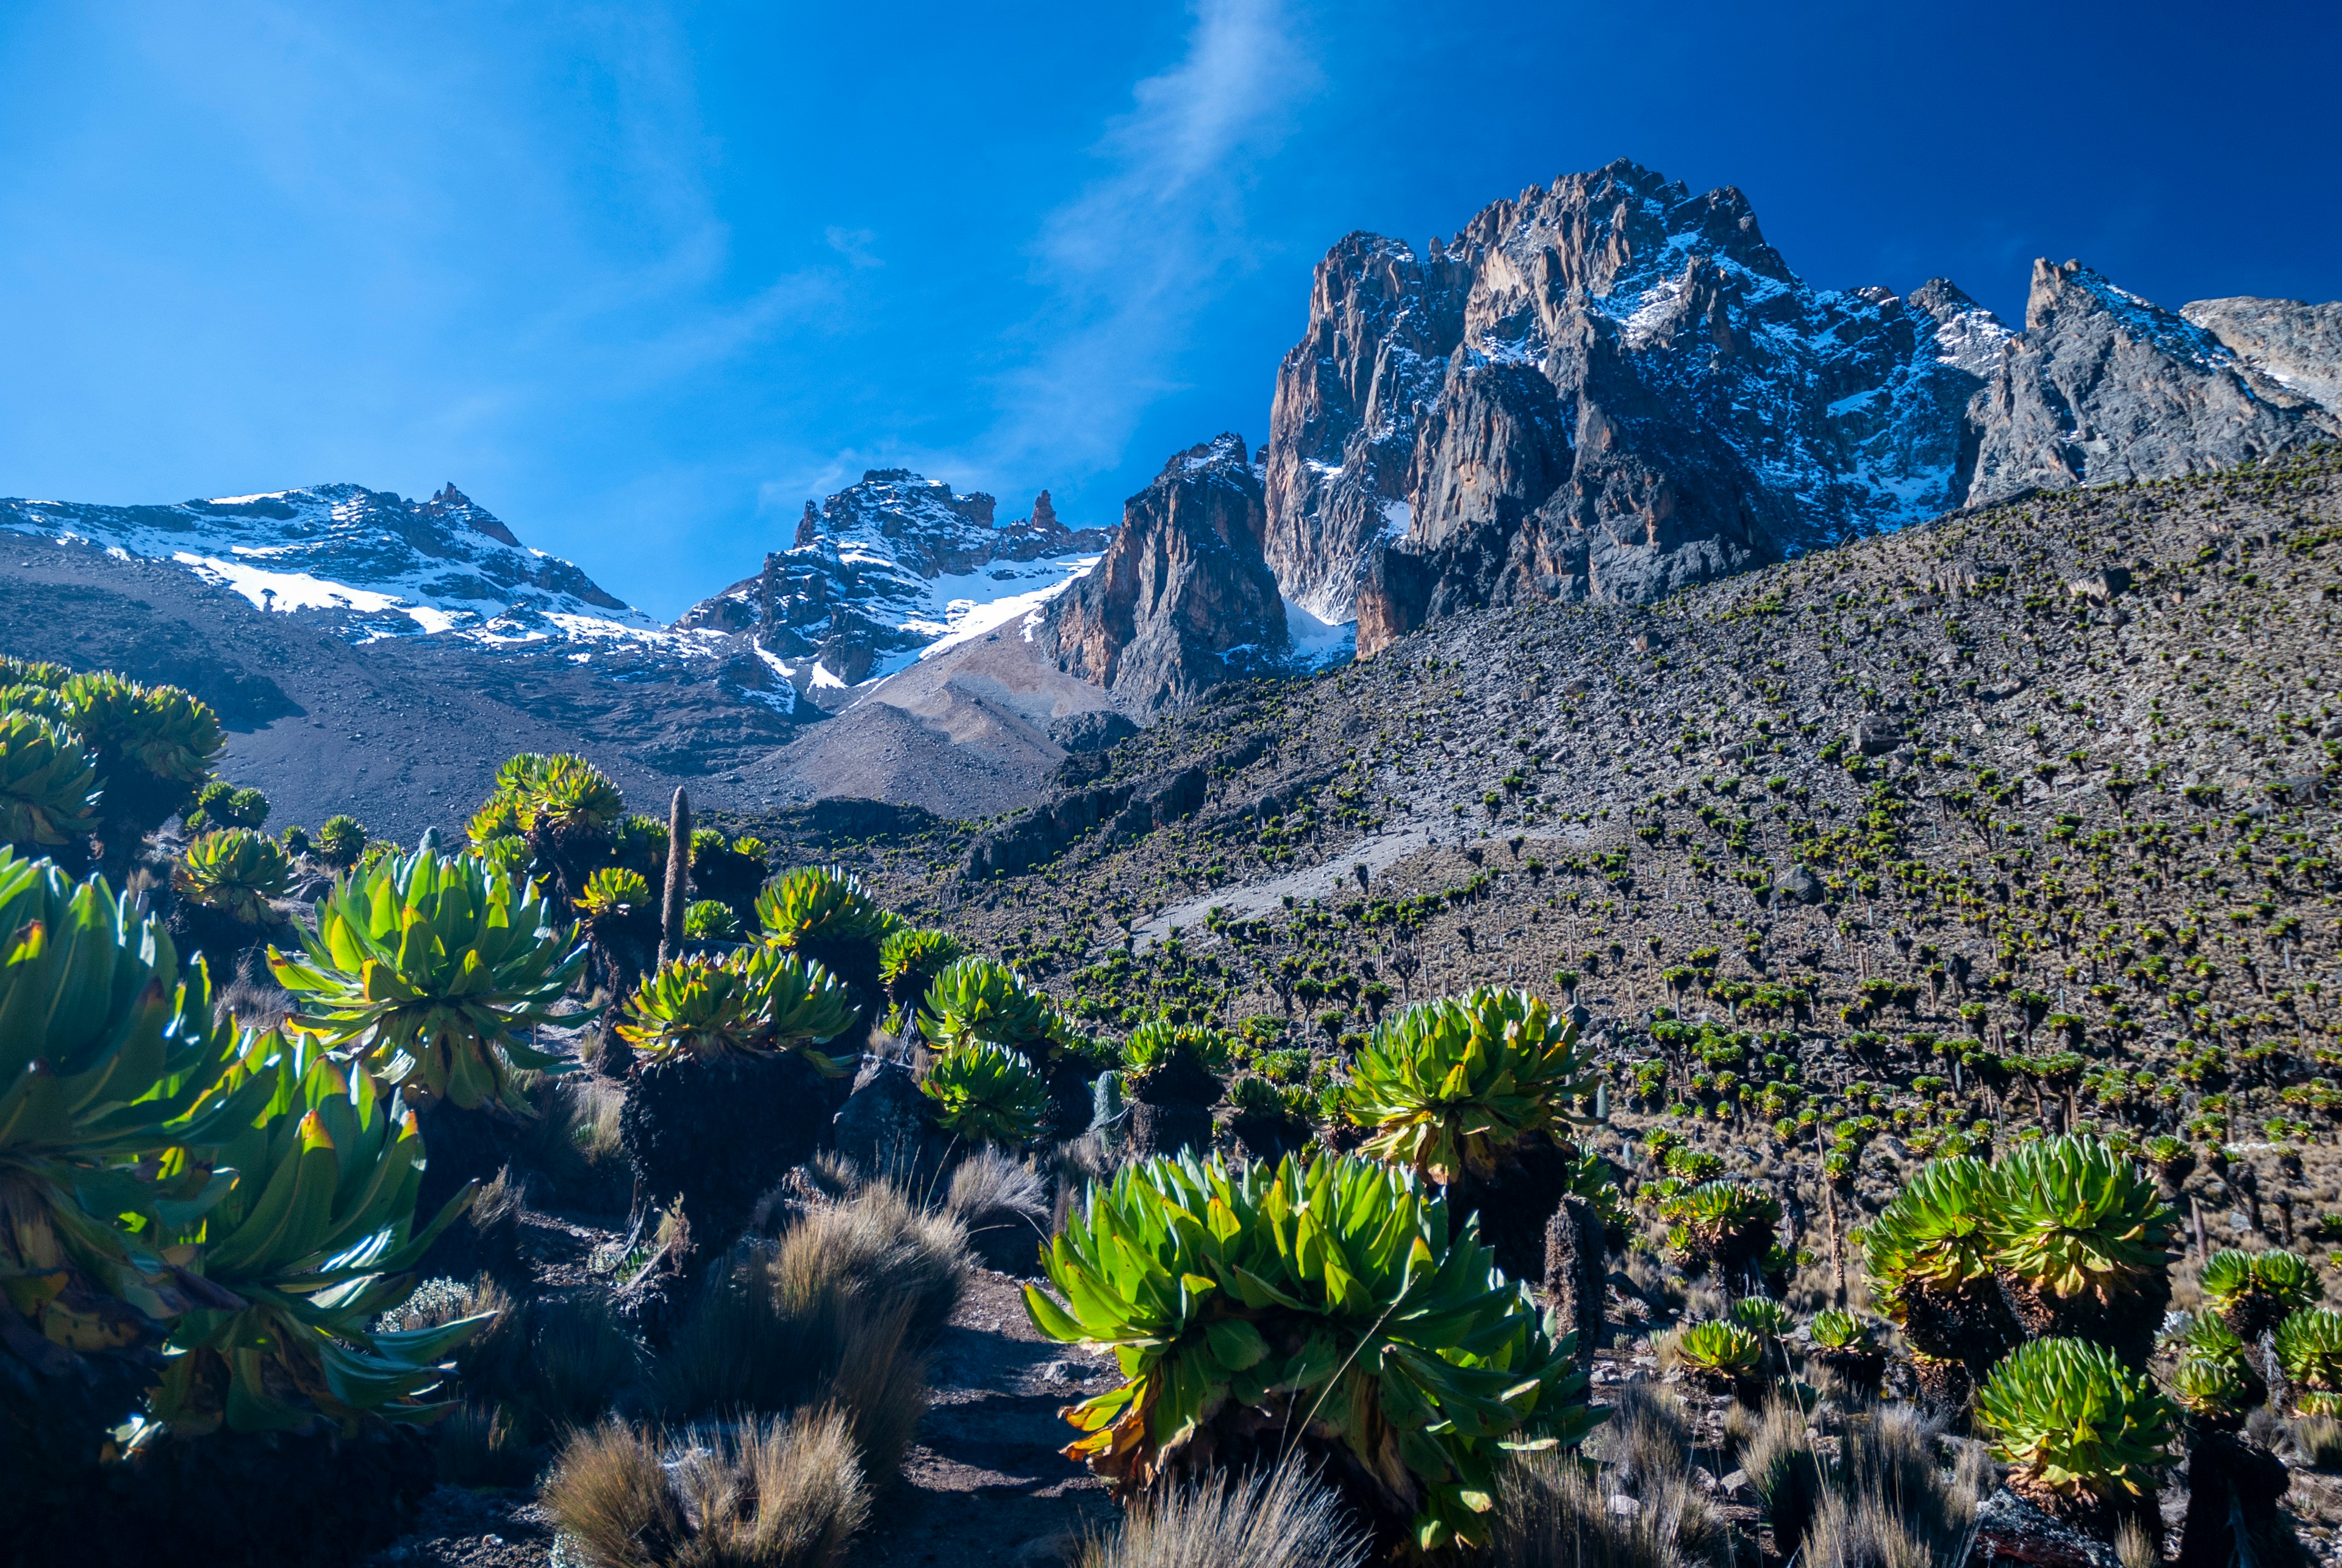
<point x="1183" y="599"/>
<point x="2104" y="387"/>
<point x="1611" y="389"/>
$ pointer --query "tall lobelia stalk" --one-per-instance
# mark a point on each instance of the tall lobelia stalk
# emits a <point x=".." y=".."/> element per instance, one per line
<point x="678" y="877"/>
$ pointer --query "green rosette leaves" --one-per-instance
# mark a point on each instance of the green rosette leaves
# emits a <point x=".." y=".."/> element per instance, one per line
<point x="312" y="1241"/>
<point x="1330" y="1296"/>
<point x="754" y="1001"/>
<point x="2077" y="1425"/>
<point x="986" y="1093"/>
<point x="1452" y="1084"/>
<point x="235" y="871"/>
<point x="427" y="967"/>
<point x="2075" y="1217"/>
<point x="818" y="904"/>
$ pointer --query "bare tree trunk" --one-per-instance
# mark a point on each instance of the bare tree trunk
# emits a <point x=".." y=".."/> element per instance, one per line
<point x="678" y="876"/>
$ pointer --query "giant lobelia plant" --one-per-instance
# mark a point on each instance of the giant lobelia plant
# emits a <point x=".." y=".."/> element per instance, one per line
<point x="315" y="1239"/>
<point x="425" y="967"/>
<point x="1326" y="1306"/>
<point x="1453" y="1085"/>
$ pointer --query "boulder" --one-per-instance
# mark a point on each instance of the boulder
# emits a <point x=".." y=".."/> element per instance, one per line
<point x="1875" y="736"/>
<point x="2100" y="587"/>
<point x="1801" y="884"/>
<point x="884" y="1124"/>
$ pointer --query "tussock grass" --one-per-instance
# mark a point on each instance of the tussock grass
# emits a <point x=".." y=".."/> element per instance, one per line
<point x="1283" y="1519"/>
<point x="1777" y="1455"/>
<point x="2318" y="1440"/>
<point x="779" y="1492"/>
<point x="2135" y="1547"/>
<point x="834" y="1312"/>
<point x="548" y="1363"/>
<point x="1889" y="1502"/>
<point x="581" y="1357"/>
<point x="482" y="1445"/>
<point x="883" y="1248"/>
<point x="1646" y="1436"/>
<point x="989" y="1189"/>
<point x="1553" y="1512"/>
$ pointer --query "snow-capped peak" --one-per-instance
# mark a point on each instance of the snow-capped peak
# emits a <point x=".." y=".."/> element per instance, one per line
<point x="368" y="563"/>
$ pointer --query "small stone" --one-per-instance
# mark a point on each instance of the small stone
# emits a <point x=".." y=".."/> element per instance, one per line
<point x="1623" y="1506"/>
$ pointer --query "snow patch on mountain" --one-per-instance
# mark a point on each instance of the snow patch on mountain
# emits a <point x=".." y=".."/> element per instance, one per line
<point x="891" y="570"/>
<point x="367" y="563"/>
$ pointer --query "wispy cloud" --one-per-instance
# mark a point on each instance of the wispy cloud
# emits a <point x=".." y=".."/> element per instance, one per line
<point x="1134" y="257"/>
<point x="854" y="245"/>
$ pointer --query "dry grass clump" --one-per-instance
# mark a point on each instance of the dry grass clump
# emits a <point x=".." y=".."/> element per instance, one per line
<point x="1888" y="1501"/>
<point x="1776" y="1453"/>
<point x="1647" y="1437"/>
<point x="787" y="1492"/>
<point x="1637" y="1508"/>
<point x="880" y="1247"/>
<point x="482" y="1445"/>
<point x="990" y="1189"/>
<point x="1283" y="1519"/>
<point x="1554" y="1513"/>
<point x="2317" y="1441"/>
<point x="1666" y="1350"/>
<point x="834" y="1312"/>
<point x="2135" y="1547"/>
<point x="536" y="1369"/>
<point x="581" y="1356"/>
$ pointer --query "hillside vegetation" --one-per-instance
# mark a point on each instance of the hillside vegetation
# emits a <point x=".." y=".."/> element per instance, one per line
<point x="2023" y="815"/>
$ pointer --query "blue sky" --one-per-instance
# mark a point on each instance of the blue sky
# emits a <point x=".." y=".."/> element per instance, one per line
<point x="640" y="278"/>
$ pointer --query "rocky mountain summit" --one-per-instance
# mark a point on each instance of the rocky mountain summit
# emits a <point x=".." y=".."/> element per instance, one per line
<point x="2103" y="387"/>
<point x="364" y="564"/>
<point x="887" y="568"/>
<point x="1612" y="388"/>
<point x="1184" y="598"/>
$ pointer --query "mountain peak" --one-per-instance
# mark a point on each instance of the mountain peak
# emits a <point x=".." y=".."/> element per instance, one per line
<point x="891" y="568"/>
<point x="367" y="563"/>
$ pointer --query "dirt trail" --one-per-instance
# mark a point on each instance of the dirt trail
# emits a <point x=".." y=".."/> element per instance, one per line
<point x="985" y="1484"/>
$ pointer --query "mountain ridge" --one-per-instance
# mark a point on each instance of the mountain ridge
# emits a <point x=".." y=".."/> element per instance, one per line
<point x="1612" y="388"/>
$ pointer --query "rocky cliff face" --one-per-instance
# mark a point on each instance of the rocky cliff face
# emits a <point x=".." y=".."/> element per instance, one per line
<point x="1183" y="598"/>
<point x="2297" y="346"/>
<point x="2104" y="387"/>
<point x="888" y="567"/>
<point x="1612" y="388"/>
